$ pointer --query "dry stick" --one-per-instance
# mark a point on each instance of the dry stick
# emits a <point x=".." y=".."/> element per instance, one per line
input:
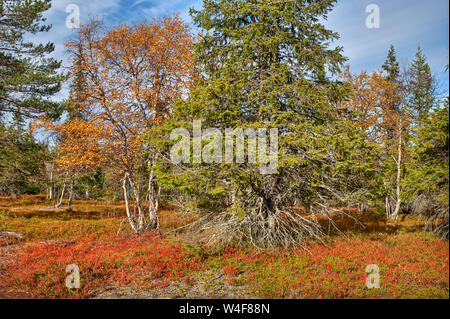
<point x="120" y="226"/>
<point x="184" y="226"/>
<point x="11" y="234"/>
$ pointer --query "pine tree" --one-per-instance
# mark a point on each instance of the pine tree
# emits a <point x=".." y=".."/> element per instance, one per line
<point x="267" y="64"/>
<point x="421" y="86"/>
<point x="28" y="78"/>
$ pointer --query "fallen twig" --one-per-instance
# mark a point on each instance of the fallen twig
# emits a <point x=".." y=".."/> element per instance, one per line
<point x="11" y="234"/>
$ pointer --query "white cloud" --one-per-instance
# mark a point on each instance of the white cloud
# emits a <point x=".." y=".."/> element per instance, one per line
<point x="138" y="2"/>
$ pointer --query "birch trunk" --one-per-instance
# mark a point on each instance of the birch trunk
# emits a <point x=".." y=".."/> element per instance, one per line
<point x="131" y="218"/>
<point x="154" y="193"/>
<point x="62" y="196"/>
<point x="399" y="170"/>
<point x="52" y="186"/>
<point x="69" y="202"/>
<point x="138" y="221"/>
<point x="388" y="207"/>
<point x="138" y="201"/>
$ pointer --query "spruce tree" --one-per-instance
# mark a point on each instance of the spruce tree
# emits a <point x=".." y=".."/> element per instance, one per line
<point x="21" y="162"/>
<point x="391" y="66"/>
<point x="427" y="178"/>
<point x="28" y="77"/>
<point x="421" y="86"/>
<point x="268" y="64"/>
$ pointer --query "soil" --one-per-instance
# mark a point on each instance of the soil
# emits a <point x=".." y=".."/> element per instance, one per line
<point x="210" y="285"/>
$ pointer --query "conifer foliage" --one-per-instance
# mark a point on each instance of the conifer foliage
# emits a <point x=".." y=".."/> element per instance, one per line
<point x="263" y="65"/>
<point x="28" y="77"/>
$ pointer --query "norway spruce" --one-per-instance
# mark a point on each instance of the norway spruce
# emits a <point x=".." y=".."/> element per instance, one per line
<point x="267" y="65"/>
<point x="421" y="86"/>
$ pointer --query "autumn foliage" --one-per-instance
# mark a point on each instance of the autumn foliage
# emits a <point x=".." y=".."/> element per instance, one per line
<point x="127" y="79"/>
<point x="373" y="100"/>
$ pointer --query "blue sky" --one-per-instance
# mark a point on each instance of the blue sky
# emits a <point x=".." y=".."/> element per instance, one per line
<point x="403" y="23"/>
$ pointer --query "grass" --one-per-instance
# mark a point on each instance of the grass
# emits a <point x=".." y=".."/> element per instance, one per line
<point x="412" y="264"/>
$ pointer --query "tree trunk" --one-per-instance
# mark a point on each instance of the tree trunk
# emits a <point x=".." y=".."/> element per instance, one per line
<point x="62" y="196"/>
<point x="69" y="202"/>
<point x="399" y="170"/>
<point x="388" y="207"/>
<point x="52" y="186"/>
<point x="126" y="195"/>
<point x="138" y="204"/>
<point x="154" y="193"/>
<point x="138" y="221"/>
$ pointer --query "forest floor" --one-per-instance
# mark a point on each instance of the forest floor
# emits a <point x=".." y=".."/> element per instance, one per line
<point x="113" y="264"/>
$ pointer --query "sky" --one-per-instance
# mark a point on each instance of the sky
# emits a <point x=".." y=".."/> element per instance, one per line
<point x="403" y="23"/>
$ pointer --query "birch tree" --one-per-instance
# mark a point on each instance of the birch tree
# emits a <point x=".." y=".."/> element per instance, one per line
<point x="133" y="74"/>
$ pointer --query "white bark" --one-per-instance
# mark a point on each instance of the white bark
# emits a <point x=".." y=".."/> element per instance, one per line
<point x="138" y="200"/>
<point x="399" y="170"/>
<point x="139" y="222"/>
<point x="388" y="207"/>
<point x="154" y="194"/>
<point x="52" y="186"/>
<point x="127" y="205"/>
<point x="62" y="196"/>
<point x="69" y="202"/>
